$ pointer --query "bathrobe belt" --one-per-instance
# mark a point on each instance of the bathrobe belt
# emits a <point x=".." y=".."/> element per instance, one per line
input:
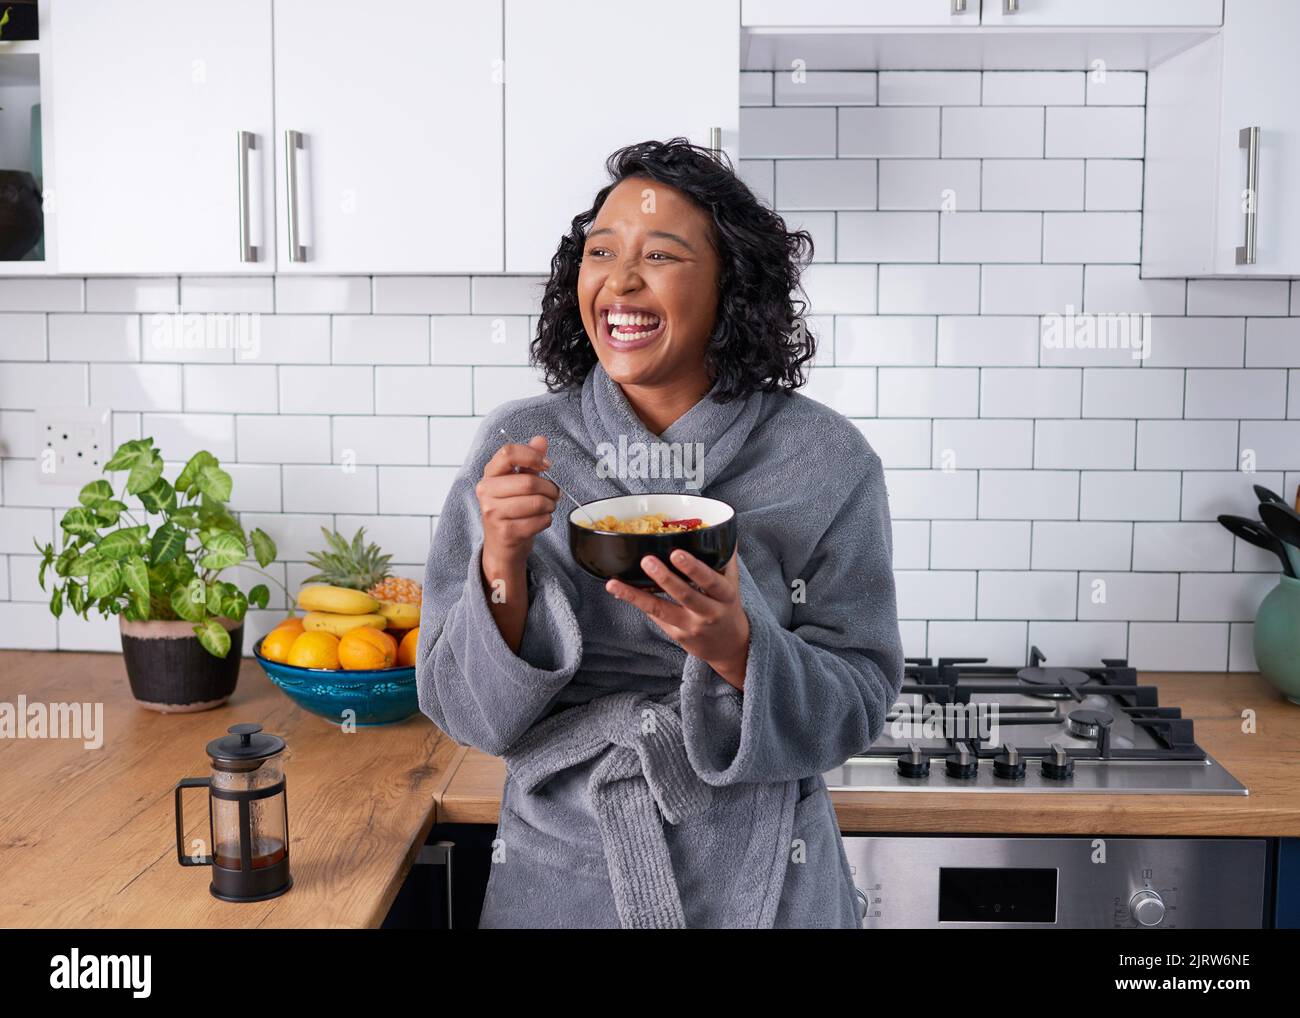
<point x="643" y="779"/>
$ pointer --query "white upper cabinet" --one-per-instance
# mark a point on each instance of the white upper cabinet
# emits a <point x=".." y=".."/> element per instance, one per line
<point x="586" y="77"/>
<point x="388" y="146"/>
<point x="1103" y="13"/>
<point x="150" y="101"/>
<point x="864" y="13"/>
<point x="1223" y="150"/>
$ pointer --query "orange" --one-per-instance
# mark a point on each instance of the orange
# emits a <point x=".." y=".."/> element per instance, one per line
<point x="366" y="648"/>
<point x="277" y="643"/>
<point x="315" y="650"/>
<point x="406" y="650"/>
<point x="293" y="624"/>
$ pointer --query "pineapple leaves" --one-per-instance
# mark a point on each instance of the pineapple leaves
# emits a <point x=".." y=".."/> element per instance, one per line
<point x="346" y="563"/>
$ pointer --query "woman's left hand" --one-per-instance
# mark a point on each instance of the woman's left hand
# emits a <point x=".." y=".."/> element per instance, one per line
<point x="709" y="622"/>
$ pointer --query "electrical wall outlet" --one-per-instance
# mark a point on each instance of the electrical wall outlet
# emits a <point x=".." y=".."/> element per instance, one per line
<point x="72" y="444"/>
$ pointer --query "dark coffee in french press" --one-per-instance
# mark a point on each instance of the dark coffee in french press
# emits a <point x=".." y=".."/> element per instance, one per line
<point x="248" y="819"/>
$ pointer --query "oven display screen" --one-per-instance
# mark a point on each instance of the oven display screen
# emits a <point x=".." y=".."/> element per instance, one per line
<point x="994" y="895"/>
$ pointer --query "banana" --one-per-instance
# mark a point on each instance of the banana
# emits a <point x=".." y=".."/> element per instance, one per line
<point x="329" y="622"/>
<point x="400" y="614"/>
<point x="339" y="600"/>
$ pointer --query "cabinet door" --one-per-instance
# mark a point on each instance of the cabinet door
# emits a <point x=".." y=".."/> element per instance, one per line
<point x="148" y="99"/>
<point x="1261" y="80"/>
<point x="586" y="77"/>
<point x="399" y="107"/>
<point x="1102" y="13"/>
<point x="868" y="13"/>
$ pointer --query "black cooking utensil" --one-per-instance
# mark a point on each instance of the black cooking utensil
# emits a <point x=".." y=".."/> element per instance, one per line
<point x="1256" y="533"/>
<point x="1267" y="494"/>
<point x="1284" y="522"/>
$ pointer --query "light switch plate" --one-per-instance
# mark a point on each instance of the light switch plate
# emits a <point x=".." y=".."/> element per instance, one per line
<point x="72" y="444"/>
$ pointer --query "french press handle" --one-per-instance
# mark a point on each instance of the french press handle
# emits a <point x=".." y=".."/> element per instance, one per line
<point x="181" y="857"/>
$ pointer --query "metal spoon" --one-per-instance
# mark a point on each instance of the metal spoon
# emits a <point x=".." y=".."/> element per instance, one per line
<point x="542" y="473"/>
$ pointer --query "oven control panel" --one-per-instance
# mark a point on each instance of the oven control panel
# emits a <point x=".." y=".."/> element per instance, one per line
<point x="1062" y="882"/>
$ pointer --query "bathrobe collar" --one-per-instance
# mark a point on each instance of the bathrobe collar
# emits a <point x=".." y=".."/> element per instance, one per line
<point x="720" y="429"/>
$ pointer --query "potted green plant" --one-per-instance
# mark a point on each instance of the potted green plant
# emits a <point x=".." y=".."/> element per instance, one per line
<point x="181" y="624"/>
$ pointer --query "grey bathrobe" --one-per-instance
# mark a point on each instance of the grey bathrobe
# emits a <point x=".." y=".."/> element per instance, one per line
<point x="642" y="790"/>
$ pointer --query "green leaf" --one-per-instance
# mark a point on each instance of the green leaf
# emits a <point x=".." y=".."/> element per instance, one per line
<point x="234" y="605"/>
<point x="214" y="482"/>
<point x="263" y="547"/>
<point x="80" y="563"/>
<point x="144" y="473"/>
<point x="168" y="543"/>
<point x="260" y="596"/>
<point x="136" y="576"/>
<point x="56" y="602"/>
<point x="77" y="597"/>
<point x="95" y="492"/>
<point x="108" y="512"/>
<point x="129" y="453"/>
<point x="159" y="497"/>
<point x="47" y="558"/>
<point x="223" y="549"/>
<point x="186" y="517"/>
<point x="212" y="634"/>
<point x="190" y="473"/>
<point x="79" y="520"/>
<point x="121" y="543"/>
<point x="189" y="602"/>
<point x="105" y="579"/>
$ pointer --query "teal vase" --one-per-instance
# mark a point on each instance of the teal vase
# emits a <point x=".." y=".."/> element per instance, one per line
<point x="1277" y="637"/>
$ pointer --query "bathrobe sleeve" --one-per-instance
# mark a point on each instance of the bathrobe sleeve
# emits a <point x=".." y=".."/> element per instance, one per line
<point x="470" y="683"/>
<point x="816" y="693"/>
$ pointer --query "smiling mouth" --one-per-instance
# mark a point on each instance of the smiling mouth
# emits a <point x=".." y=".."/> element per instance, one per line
<point x="628" y="330"/>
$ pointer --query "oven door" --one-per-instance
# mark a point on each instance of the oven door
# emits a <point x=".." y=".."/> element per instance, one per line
<point x="1059" y="882"/>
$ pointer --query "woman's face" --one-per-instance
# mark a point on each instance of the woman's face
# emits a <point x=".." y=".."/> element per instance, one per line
<point x="648" y="284"/>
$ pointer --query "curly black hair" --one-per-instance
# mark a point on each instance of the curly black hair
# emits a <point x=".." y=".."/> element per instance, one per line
<point x="760" y="340"/>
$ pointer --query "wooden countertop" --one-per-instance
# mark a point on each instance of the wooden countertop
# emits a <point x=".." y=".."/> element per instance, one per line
<point x="1267" y="762"/>
<point x="87" y="836"/>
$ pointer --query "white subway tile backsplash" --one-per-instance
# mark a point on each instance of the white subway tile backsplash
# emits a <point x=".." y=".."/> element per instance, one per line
<point x="929" y="184"/>
<point x="911" y="544"/>
<point x="296" y="295"/>
<point x="1182" y="547"/>
<point x="256" y="486"/>
<point x="929" y="88"/>
<point x="97" y="337"/>
<point x="787" y="132"/>
<point x="1094" y="132"/>
<point x="1117" y="289"/>
<point x="988" y="340"/>
<point x="981" y="444"/>
<point x="935" y="594"/>
<point x="22" y="337"/>
<point x="380" y="339"/>
<point x="1237" y="297"/>
<point x="931" y="494"/>
<point x="929" y="392"/>
<point x="1236" y="393"/>
<point x="133" y="293"/>
<point x="1272" y="445"/>
<point x="1033" y="184"/>
<point x="997" y="641"/>
<point x="1029" y="495"/>
<point x="506" y="295"/>
<point x="1197" y="342"/>
<point x="1083" y="445"/>
<point x="420" y="295"/>
<point x="1133" y="597"/>
<point x="1178" y="646"/>
<point x="288" y="339"/>
<point x="1033" y="88"/>
<point x="333" y="390"/>
<point x="338" y="488"/>
<point x="841" y="289"/>
<point x="838" y="184"/>
<point x="850" y="391"/>
<point x="1120" y="392"/>
<point x="234" y="388"/>
<point x="283" y="438"/>
<point x="180" y="436"/>
<point x="1081" y="641"/>
<point x="1030" y="289"/>
<point x="1026" y="595"/>
<point x="228" y="293"/>
<point x="27" y="293"/>
<point x="1081" y="545"/>
<point x="418" y="491"/>
<point x="898" y="441"/>
<point x="475" y="339"/>
<point x="135" y="386"/>
<point x="1117" y="88"/>
<point x="979" y="544"/>
<point x="884" y="340"/>
<point x="406" y="538"/>
<point x="823" y="88"/>
<point x="1206" y="494"/>
<point x="1216" y="597"/>
<point x="386" y="441"/>
<point x="1186" y="445"/>
<point x="929" y="289"/>
<point x="1129" y="495"/>
<point x="1113" y="185"/>
<point x="493" y="386"/>
<point x="1092" y="237"/>
<point x="755" y="88"/>
<point x="991" y="237"/>
<point x="883" y="132"/>
<point x="1272" y="342"/>
<point x="440" y="390"/>
<point x="888" y="237"/>
<point x="992" y="132"/>
<point x="1030" y="392"/>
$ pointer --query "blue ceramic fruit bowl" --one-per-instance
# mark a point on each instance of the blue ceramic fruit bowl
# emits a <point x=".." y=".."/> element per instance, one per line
<point x="379" y="697"/>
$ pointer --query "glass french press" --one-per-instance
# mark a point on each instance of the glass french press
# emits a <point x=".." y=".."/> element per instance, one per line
<point x="248" y="817"/>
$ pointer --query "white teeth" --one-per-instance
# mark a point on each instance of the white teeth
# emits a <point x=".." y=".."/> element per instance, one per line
<point x="636" y="318"/>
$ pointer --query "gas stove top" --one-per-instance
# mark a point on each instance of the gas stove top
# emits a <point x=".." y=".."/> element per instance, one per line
<point x="961" y="725"/>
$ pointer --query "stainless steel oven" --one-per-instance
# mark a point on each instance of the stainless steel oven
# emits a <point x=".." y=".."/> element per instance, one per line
<point x="1000" y="882"/>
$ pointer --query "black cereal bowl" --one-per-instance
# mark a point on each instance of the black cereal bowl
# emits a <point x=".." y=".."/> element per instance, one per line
<point x="607" y="555"/>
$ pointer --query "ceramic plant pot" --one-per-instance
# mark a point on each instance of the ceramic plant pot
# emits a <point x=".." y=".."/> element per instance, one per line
<point x="169" y="670"/>
<point x="1277" y="637"/>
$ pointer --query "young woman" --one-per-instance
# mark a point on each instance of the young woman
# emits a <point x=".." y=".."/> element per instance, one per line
<point x="665" y="752"/>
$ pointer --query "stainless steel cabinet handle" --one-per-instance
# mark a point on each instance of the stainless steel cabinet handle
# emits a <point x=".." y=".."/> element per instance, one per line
<point x="959" y="6"/>
<point x="292" y="146"/>
<point x="1010" y="6"/>
<point x="246" y="141"/>
<point x="715" y="141"/>
<point x="1249" y="140"/>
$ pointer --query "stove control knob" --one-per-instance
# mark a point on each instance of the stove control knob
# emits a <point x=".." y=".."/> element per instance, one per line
<point x="1147" y="907"/>
<point x="913" y="763"/>
<point x="1057" y="765"/>
<point x="962" y="764"/>
<point x="1009" y="764"/>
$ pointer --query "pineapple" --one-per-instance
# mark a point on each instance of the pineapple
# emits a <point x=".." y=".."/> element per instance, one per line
<point x="360" y="566"/>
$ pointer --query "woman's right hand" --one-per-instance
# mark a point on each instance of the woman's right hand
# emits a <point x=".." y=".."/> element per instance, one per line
<point x="515" y="504"/>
